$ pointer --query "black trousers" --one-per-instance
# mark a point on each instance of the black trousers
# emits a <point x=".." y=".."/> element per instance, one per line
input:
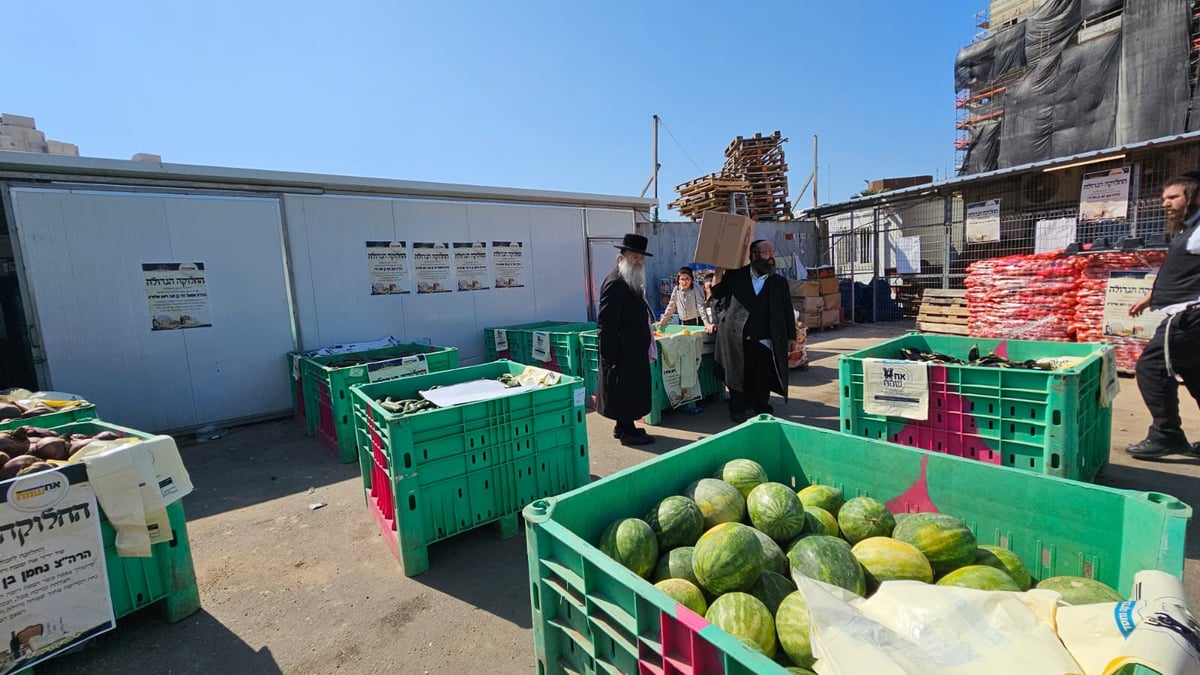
<point x="1159" y="390"/>
<point x="759" y="375"/>
<point x="691" y="322"/>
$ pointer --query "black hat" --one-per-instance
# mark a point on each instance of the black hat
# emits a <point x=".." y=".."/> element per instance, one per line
<point x="634" y="242"/>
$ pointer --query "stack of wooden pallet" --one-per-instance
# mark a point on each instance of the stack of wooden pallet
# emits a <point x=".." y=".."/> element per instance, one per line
<point x="943" y="310"/>
<point x="707" y="193"/>
<point x="759" y="161"/>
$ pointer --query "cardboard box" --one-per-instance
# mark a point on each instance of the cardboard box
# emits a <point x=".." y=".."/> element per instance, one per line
<point x="829" y="285"/>
<point x="804" y="289"/>
<point x="832" y="300"/>
<point x="811" y="319"/>
<point x="724" y="240"/>
<point x="809" y="304"/>
<point x="831" y="317"/>
<point x="820" y="272"/>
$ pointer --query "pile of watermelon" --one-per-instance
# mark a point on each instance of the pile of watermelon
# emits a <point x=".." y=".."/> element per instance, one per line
<point x="1027" y="296"/>
<point x="729" y="547"/>
<point x="1092" y="285"/>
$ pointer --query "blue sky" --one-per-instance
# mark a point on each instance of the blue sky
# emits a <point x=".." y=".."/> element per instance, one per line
<point x="549" y="95"/>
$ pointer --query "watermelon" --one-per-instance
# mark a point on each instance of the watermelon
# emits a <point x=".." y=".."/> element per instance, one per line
<point x="945" y="540"/>
<point x="773" y="556"/>
<point x="772" y="588"/>
<point x="819" y="521"/>
<point x="728" y="558"/>
<point x="676" y="564"/>
<point x="827" y="559"/>
<point x="863" y="517"/>
<point x="719" y="501"/>
<point x="822" y="496"/>
<point x="886" y="559"/>
<point x="743" y="474"/>
<point x="1081" y="590"/>
<point x="775" y="509"/>
<point x="676" y="521"/>
<point x="746" y="618"/>
<point x="685" y="593"/>
<point x="632" y="543"/>
<point x="792" y="627"/>
<point x="980" y="577"/>
<point x="797" y="670"/>
<point x="1006" y="561"/>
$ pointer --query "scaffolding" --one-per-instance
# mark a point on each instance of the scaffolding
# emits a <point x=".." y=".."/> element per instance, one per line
<point x="966" y="102"/>
<point x="1194" y="56"/>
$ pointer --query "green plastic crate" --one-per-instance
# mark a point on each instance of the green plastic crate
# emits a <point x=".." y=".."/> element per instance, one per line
<point x="589" y="345"/>
<point x="49" y="420"/>
<point x="433" y="474"/>
<point x="1049" y="422"/>
<point x="565" y="350"/>
<point x="592" y="615"/>
<point x="328" y="387"/>
<point x="168" y="576"/>
<point x="710" y="384"/>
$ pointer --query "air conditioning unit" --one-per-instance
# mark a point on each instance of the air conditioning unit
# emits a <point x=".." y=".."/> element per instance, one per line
<point x="1049" y="189"/>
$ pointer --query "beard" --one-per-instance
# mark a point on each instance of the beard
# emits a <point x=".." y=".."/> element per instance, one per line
<point x="633" y="275"/>
<point x="763" y="267"/>
<point x="1175" y="219"/>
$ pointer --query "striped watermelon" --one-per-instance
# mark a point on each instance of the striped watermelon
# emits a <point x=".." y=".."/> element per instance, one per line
<point x="632" y="543"/>
<point x="676" y="564"/>
<point x="827" y="559"/>
<point x="1081" y="590"/>
<point x="886" y="559"/>
<point x="746" y="618"/>
<point x="797" y="670"/>
<point x="743" y="474"/>
<point x="685" y="593"/>
<point x="1005" y="561"/>
<point x="719" y="501"/>
<point x="772" y="588"/>
<point x="820" y="521"/>
<point x="676" y="521"/>
<point x="980" y="577"/>
<point x="864" y="517"/>
<point x="773" y="556"/>
<point x="823" y="496"/>
<point x="728" y="558"/>
<point x="792" y="627"/>
<point x="945" y="540"/>
<point x="776" y="510"/>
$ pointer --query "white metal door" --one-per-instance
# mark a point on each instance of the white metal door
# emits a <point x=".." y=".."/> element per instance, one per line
<point x="82" y="254"/>
<point x="602" y="258"/>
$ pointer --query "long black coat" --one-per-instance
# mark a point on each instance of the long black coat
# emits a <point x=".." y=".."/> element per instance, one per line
<point x="735" y="294"/>
<point x="623" y="389"/>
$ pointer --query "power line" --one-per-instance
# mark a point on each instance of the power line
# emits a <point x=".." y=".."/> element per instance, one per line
<point x="679" y="145"/>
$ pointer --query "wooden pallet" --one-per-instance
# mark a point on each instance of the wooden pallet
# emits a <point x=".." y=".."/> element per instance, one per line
<point x="943" y="311"/>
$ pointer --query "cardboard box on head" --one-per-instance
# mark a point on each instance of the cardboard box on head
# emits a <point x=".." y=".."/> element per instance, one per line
<point x="724" y="240"/>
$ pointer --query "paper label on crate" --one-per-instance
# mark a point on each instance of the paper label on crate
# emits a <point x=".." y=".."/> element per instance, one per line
<point x="896" y="388"/>
<point x="500" y="336"/>
<point x="394" y="369"/>
<point x="579" y="394"/>
<point x="541" y="346"/>
<point x="1110" y="385"/>
<point x="52" y="565"/>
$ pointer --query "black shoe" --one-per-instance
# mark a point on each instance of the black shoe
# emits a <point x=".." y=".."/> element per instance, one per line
<point x="765" y="410"/>
<point x="1149" y="449"/>
<point x="642" y="438"/>
<point x="738" y="416"/>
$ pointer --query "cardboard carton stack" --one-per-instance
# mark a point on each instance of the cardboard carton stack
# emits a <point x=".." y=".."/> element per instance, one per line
<point x="818" y="302"/>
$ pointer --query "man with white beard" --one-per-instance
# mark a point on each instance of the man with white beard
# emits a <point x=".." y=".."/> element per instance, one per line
<point x="626" y="343"/>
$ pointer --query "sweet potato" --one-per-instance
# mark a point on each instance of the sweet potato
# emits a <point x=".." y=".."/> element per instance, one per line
<point x="9" y="411"/>
<point x="49" y="448"/>
<point x="106" y="436"/>
<point x="36" y="466"/>
<point x="13" y="443"/>
<point x="14" y="465"/>
<point x="37" y="410"/>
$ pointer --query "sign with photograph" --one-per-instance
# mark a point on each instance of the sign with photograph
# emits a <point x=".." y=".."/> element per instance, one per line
<point x="471" y="266"/>
<point x="1104" y="195"/>
<point x="508" y="264"/>
<point x="432" y="263"/>
<point x="387" y="267"/>
<point x="177" y="294"/>
<point x="1125" y="287"/>
<point x="983" y="221"/>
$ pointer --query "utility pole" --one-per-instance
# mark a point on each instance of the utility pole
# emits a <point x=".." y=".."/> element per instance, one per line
<point x="815" y="165"/>
<point x="656" y="167"/>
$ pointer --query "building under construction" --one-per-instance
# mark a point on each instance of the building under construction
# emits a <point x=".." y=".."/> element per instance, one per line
<point x="1055" y="78"/>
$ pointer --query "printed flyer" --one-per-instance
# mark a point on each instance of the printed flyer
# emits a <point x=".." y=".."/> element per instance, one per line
<point x="1104" y="195"/>
<point x="1124" y="288"/>
<point x="470" y="265"/>
<point x="508" y="264"/>
<point x="177" y="295"/>
<point x="432" y="263"/>
<point x="387" y="266"/>
<point x="983" y="221"/>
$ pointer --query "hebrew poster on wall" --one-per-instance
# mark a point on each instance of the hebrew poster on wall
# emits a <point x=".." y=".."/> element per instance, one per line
<point x="177" y="294"/>
<point x="508" y="264"/>
<point x="387" y="266"/>
<point x="470" y="265"/>
<point x="432" y="263"/>
<point x="1125" y="287"/>
<point x="983" y="221"/>
<point x="1104" y="195"/>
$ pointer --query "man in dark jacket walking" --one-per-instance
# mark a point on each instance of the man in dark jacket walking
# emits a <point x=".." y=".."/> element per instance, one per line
<point x="755" y="331"/>
<point x="626" y="343"/>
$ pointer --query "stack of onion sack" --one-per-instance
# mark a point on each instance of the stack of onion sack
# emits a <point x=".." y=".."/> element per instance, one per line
<point x="1005" y="296"/>
<point x="1089" y="307"/>
<point x="731" y="546"/>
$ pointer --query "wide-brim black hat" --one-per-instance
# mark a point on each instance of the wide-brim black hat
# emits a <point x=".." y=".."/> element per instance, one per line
<point x="636" y="243"/>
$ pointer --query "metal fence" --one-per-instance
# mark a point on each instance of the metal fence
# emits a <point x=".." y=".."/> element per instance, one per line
<point x="890" y="249"/>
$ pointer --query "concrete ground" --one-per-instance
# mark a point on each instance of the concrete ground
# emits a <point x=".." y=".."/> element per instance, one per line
<point x="286" y="589"/>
